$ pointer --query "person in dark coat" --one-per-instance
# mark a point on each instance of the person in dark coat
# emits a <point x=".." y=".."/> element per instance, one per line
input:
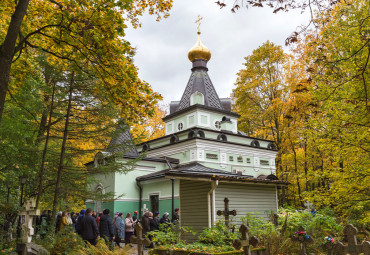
<point x="176" y="216"/>
<point x="106" y="226"/>
<point x="88" y="228"/>
<point x="165" y="218"/>
<point x="154" y="224"/>
<point x="78" y="224"/>
<point x="145" y="222"/>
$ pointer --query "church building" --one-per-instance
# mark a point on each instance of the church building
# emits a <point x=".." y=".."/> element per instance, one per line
<point x="201" y="160"/>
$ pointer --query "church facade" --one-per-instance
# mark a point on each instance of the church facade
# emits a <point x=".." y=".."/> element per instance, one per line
<point x="201" y="160"/>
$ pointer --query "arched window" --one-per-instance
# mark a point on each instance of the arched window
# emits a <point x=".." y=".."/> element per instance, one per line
<point x="192" y="134"/>
<point x="196" y="133"/>
<point x="222" y="137"/>
<point x="271" y="146"/>
<point x="196" y="98"/>
<point x="255" y="143"/>
<point x="200" y="133"/>
<point x="174" y="139"/>
<point x="146" y="147"/>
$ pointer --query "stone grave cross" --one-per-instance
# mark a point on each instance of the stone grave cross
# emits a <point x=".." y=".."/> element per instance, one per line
<point x="245" y="242"/>
<point x="144" y="209"/>
<point x="352" y="248"/>
<point x="302" y="240"/>
<point x="27" y="218"/>
<point x="139" y="240"/>
<point x="308" y="205"/>
<point x="226" y="213"/>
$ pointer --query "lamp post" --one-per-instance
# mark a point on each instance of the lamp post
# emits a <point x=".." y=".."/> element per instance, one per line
<point x="23" y="180"/>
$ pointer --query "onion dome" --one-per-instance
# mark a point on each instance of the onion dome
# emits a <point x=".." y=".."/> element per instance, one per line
<point x="199" y="51"/>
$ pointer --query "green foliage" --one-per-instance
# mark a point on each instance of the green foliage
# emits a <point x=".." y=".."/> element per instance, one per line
<point x="277" y="238"/>
<point x="323" y="224"/>
<point x="169" y="234"/>
<point x="217" y="235"/>
<point x="195" y="248"/>
<point x="67" y="242"/>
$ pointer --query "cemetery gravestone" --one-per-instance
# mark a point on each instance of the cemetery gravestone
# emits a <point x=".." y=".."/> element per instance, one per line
<point x="303" y="240"/>
<point x="352" y="248"/>
<point x="139" y="240"/>
<point x="226" y="212"/>
<point x="245" y="242"/>
<point x="144" y="209"/>
<point x="26" y="216"/>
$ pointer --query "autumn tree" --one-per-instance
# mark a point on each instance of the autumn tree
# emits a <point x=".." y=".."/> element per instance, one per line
<point x="261" y="93"/>
<point x="82" y="32"/>
<point x="150" y="127"/>
<point x="337" y="59"/>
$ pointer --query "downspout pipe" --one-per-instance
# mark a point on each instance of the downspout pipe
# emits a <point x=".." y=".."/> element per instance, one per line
<point x="173" y="198"/>
<point x="211" y="206"/>
<point x="173" y="191"/>
<point x="140" y="197"/>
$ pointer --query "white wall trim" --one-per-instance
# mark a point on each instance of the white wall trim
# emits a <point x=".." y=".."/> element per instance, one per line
<point x="170" y="131"/>
<point x="188" y="120"/>
<point x="200" y="114"/>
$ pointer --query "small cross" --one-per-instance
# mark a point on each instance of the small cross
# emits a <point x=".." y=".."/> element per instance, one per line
<point x="245" y="241"/>
<point x="144" y="209"/>
<point x="226" y="212"/>
<point x="352" y="248"/>
<point x="27" y="218"/>
<point x="303" y="241"/>
<point x="139" y="240"/>
<point x="198" y="21"/>
<point x="308" y="205"/>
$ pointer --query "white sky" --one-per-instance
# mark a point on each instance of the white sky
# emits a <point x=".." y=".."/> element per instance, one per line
<point x="162" y="47"/>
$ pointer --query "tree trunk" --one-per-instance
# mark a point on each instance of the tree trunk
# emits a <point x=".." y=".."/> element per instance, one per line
<point x="42" y="167"/>
<point x="63" y="149"/>
<point x="296" y="170"/>
<point x="7" y="49"/>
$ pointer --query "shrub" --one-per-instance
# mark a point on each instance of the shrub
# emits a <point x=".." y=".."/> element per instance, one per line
<point x="169" y="234"/>
<point x="217" y="235"/>
<point x="67" y="242"/>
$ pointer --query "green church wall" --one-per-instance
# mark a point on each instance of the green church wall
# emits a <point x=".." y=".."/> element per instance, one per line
<point x="163" y="188"/>
<point x="91" y="205"/>
<point x="126" y="183"/>
<point x="126" y="207"/>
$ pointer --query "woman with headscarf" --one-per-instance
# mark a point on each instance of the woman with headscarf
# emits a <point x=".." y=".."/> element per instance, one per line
<point x="119" y="229"/>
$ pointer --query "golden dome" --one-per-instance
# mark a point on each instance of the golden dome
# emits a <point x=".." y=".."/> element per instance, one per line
<point x="199" y="51"/>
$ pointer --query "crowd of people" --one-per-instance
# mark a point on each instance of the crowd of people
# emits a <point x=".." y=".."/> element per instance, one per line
<point x="91" y="225"/>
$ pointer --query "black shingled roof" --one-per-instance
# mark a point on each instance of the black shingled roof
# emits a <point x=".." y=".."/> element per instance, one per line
<point x="200" y="81"/>
<point x="122" y="139"/>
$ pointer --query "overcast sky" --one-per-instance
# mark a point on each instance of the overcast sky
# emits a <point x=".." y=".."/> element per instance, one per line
<point x="162" y="47"/>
